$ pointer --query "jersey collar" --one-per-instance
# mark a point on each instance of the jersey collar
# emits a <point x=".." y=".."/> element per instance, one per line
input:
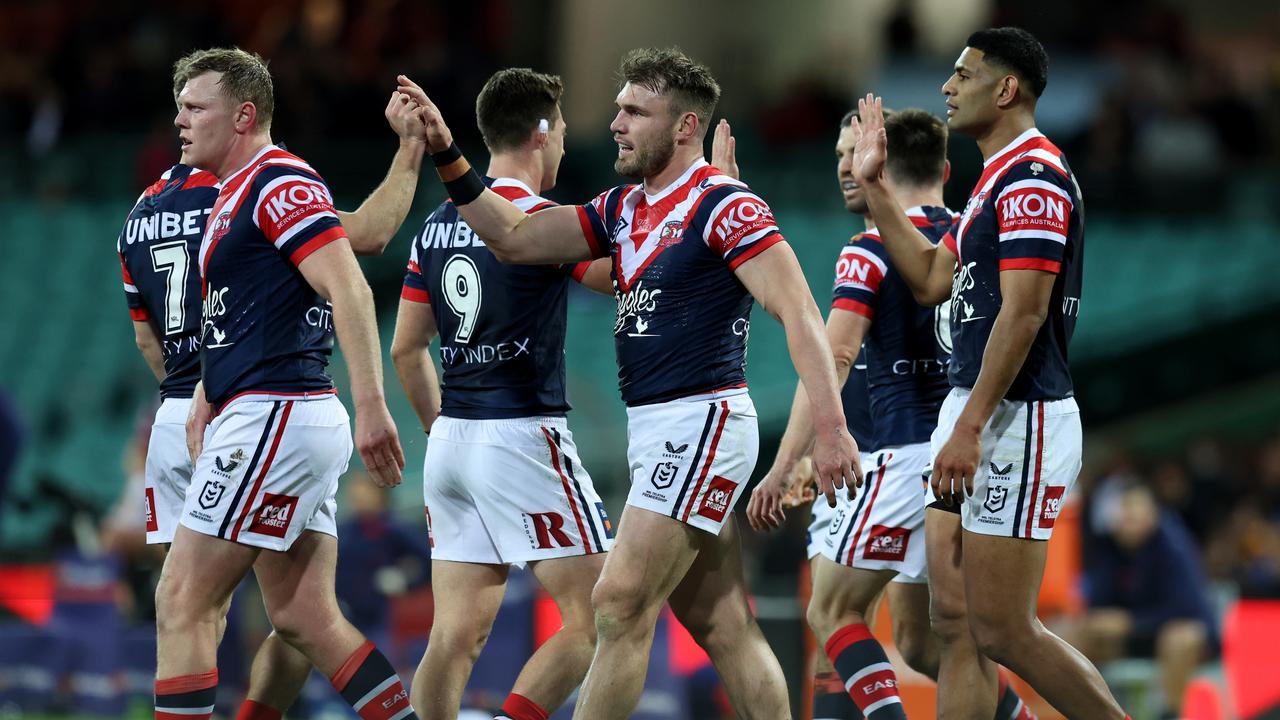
<point x="252" y="162"/>
<point x="657" y="197"/>
<point x="512" y="182"/>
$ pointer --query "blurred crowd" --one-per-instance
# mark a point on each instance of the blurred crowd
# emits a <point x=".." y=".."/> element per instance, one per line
<point x="1191" y="100"/>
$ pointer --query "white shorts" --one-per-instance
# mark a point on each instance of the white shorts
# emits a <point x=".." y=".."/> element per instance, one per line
<point x="509" y="492"/>
<point x="168" y="472"/>
<point x="270" y="470"/>
<point x="1031" y="456"/>
<point x="822" y="514"/>
<point x="883" y="527"/>
<point x="691" y="458"/>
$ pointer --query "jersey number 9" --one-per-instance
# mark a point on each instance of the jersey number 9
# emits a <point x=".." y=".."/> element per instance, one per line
<point x="461" y="285"/>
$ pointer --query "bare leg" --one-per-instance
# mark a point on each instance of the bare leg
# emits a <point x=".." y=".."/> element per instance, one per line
<point x="967" y="682"/>
<point x="278" y="673"/>
<point x="468" y="598"/>
<point x="558" y="667"/>
<point x="195" y="588"/>
<point x="649" y="558"/>
<point x="909" y="606"/>
<point x="713" y="604"/>
<point x="1002" y="578"/>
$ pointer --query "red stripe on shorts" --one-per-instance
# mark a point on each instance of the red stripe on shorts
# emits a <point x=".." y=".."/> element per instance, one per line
<point x="564" y="482"/>
<point x="706" y="466"/>
<point x="257" y="484"/>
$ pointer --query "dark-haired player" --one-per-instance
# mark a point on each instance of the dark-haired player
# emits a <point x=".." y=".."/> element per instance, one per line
<point x="502" y="482"/>
<point x="157" y="248"/>
<point x="1008" y="442"/>
<point x="690" y="247"/>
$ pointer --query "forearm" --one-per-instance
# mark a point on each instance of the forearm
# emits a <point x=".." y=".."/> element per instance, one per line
<point x="1011" y="337"/>
<point x="797" y="439"/>
<point x="911" y="253"/>
<point x="810" y="354"/>
<point x="155" y="358"/>
<point x="357" y="330"/>
<point x="418" y="377"/>
<point x="371" y="227"/>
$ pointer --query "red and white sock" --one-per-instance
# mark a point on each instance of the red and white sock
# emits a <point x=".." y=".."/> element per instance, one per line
<point x="868" y="676"/>
<point x="187" y="697"/>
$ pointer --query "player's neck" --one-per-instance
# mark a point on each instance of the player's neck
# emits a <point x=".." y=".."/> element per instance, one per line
<point x="1004" y="131"/>
<point x="684" y="157"/>
<point x="524" y="169"/>
<point x="919" y="197"/>
<point x="242" y="151"/>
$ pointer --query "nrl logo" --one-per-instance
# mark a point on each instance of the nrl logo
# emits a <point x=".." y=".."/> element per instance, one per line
<point x="234" y="461"/>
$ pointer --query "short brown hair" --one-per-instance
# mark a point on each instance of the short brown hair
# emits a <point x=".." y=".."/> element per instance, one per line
<point x="511" y="104"/>
<point x="917" y="145"/>
<point x="668" y="71"/>
<point x="245" y="78"/>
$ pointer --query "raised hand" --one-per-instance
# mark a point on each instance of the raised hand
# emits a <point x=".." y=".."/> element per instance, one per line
<point x="871" y="149"/>
<point x="404" y="115"/>
<point x="439" y="138"/>
<point x="724" y="150"/>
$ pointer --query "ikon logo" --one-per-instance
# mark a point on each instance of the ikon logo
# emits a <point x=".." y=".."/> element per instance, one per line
<point x="718" y="500"/>
<point x="1051" y="507"/>
<point x="1033" y="205"/>
<point x="274" y="516"/>
<point x="887" y="543"/>
<point x="295" y="195"/>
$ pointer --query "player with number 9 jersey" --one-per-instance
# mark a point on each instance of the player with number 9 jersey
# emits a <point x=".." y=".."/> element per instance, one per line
<point x="501" y="478"/>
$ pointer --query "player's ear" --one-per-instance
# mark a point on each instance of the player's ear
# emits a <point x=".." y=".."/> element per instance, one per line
<point x="946" y="171"/>
<point x="1008" y="91"/>
<point x="246" y="118"/>
<point x="688" y="125"/>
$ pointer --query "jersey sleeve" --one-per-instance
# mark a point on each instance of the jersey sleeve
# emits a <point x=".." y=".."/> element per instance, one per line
<point x="295" y="212"/>
<point x="137" y="307"/>
<point x="1033" y="208"/>
<point x="596" y="217"/>
<point x="860" y="270"/>
<point x="740" y="226"/>
<point x="414" y="288"/>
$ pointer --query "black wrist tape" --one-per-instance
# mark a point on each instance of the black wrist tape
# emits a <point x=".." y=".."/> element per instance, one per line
<point x="461" y="181"/>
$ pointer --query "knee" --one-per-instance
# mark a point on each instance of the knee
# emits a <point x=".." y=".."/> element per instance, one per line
<point x="918" y="647"/>
<point x="824" y="619"/>
<point x="948" y="620"/>
<point x="1002" y="638"/>
<point x="719" y="628"/>
<point x="619" y="608"/>
<point x="179" y="610"/>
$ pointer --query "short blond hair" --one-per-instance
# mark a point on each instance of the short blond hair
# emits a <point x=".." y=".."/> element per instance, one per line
<point x="245" y="78"/>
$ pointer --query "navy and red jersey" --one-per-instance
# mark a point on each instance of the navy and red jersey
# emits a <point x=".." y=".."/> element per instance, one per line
<point x="158" y="248"/>
<point x="908" y="347"/>
<point x="1024" y="214"/>
<point x="266" y="330"/>
<point x="683" y="316"/>
<point x="502" y="327"/>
